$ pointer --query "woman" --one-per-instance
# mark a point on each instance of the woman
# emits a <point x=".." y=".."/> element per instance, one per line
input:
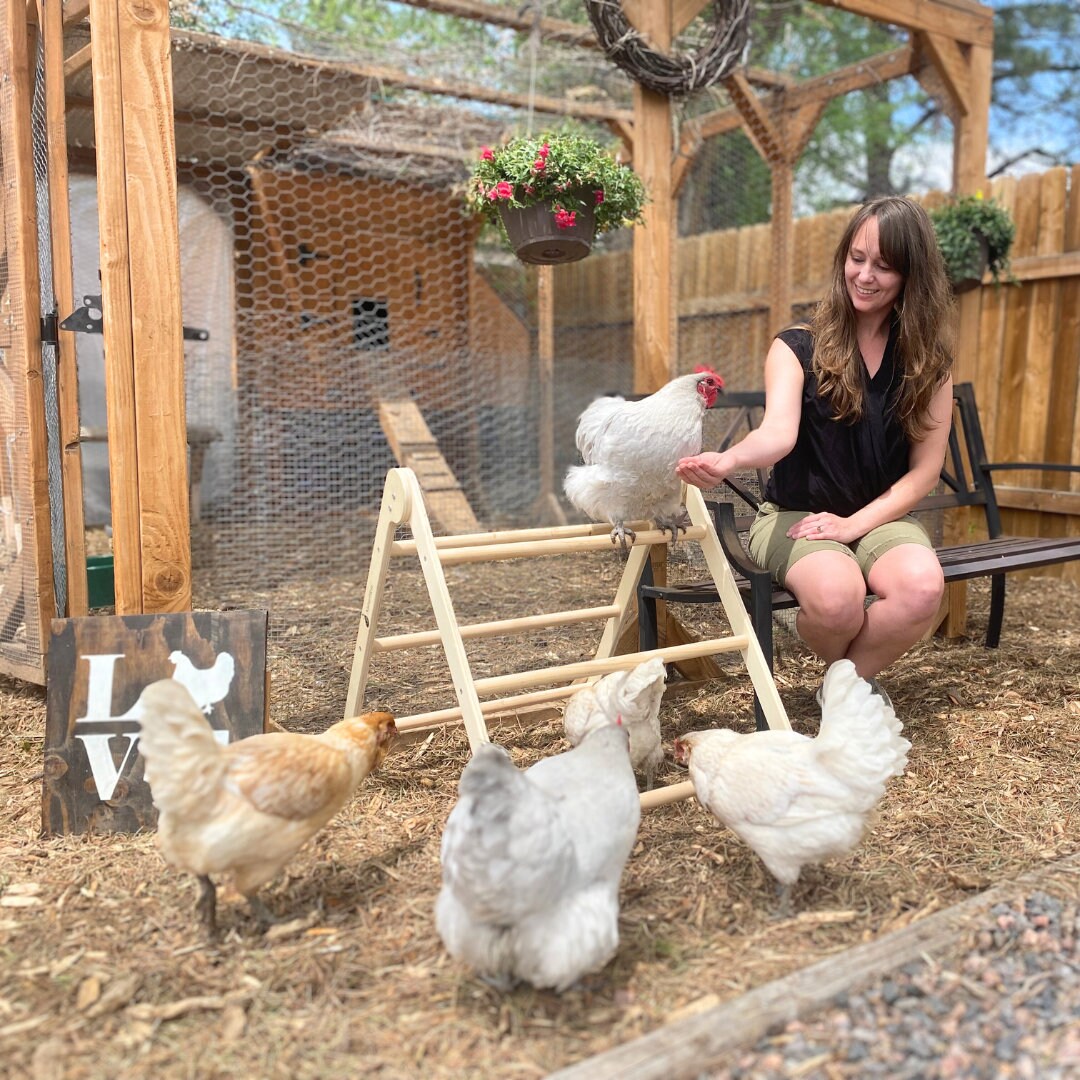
<point x="857" y="417"/>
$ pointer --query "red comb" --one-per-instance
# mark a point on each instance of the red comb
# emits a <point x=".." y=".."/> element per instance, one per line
<point x="703" y="369"/>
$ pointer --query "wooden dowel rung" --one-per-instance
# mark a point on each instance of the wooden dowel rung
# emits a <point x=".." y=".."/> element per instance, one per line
<point x="501" y="626"/>
<point x="650" y="800"/>
<point x="555" y="546"/>
<point x="568" y="672"/>
<point x="496" y="705"/>
<point x="508" y="536"/>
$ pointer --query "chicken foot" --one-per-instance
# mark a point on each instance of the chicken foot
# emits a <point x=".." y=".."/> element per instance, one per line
<point x="677" y="523"/>
<point x="619" y="534"/>
<point x="263" y="915"/>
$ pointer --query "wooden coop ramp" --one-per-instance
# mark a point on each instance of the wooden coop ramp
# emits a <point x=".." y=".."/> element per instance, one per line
<point x="415" y="448"/>
<point x="403" y="504"/>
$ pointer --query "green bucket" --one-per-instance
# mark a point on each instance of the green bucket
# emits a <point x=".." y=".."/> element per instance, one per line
<point x="99" y="581"/>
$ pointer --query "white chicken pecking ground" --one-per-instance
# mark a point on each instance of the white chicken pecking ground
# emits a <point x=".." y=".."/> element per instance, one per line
<point x="630" y="450"/>
<point x="248" y="807"/>
<point x="532" y="861"/>
<point x="794" y="799"/>
<point x="634" y="696"/>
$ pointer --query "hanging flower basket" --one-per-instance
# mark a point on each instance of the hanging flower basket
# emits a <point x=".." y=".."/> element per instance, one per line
<point x="551" y="194"/>
<point x="545" y="233"/>
<point x="969" y="275"/>
<point x="975" y="235"/>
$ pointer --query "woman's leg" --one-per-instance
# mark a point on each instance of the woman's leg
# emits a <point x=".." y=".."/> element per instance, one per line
<point x="908" y="583"/>
<point x="832" y="594"/>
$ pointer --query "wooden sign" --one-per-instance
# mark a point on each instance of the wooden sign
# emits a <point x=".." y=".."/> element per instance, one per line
<point x="98" y="667"/>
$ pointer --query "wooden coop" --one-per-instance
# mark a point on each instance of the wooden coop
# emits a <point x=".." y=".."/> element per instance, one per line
<point x="149" y="112"/>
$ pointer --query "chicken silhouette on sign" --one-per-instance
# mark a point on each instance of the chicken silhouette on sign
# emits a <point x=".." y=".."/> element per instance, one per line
<point x="207" y="686"/>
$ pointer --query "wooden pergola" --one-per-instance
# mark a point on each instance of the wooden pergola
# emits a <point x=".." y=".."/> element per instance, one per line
<point x="136" y="120"/>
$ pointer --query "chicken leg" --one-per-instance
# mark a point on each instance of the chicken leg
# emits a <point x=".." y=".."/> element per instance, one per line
<point x="619" y="534"/>
<point x="206" y="906"/>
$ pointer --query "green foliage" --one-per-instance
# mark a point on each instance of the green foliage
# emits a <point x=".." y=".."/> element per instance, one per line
<point x="960" y="223"/>
<point x="567" y="167"/>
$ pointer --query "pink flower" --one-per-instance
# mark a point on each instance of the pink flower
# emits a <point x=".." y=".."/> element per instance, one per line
<point x="538" y="165"/>
<point x="486" y="153"/>
<point x="564" y="219"/>
<point x="599" y="196"/>
<point x="502" y="190"/>
<point x="545" y="150"/>
<point x="529" y="189"/>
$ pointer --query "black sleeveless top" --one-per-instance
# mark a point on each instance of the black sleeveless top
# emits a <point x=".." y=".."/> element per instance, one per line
<point x="836" y="466"/>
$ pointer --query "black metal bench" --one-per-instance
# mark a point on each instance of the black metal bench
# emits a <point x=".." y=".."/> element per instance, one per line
<point x="965" y="482"/>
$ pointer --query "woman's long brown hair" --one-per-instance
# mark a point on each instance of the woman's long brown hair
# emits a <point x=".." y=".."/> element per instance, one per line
<point x="924" y="308"/>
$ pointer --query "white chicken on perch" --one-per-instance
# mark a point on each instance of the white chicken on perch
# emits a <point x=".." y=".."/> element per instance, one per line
<point x="630" y="450"/>
<point x="797" y="800"/>
<point x="634" y="697"/>
<point x="532" y="861"/>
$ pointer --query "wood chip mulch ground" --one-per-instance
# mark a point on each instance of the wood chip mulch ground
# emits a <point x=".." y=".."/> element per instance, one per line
<point x="105" y="971"/>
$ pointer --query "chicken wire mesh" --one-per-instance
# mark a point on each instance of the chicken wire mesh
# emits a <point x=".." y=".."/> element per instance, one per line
<point x="347" y="315"/>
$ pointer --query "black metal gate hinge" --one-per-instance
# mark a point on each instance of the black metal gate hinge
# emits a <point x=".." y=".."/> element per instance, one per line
<point x="88" y="320"/>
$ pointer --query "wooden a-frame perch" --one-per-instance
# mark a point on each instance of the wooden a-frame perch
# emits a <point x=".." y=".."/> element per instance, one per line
<point x="403" y="504"/>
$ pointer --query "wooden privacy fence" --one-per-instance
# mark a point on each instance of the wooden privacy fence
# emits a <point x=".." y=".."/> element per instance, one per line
<point x="1024" y="362"/>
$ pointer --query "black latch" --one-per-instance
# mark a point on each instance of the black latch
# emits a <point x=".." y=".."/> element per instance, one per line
<point x="88" y="320"/>
<point x="49" y="332"/>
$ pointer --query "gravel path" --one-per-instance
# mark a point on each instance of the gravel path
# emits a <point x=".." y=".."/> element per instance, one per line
<point x="1009" y="1007"/>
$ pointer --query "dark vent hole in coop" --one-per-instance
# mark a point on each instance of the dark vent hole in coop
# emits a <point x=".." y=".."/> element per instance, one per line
<point x="371" y="324"/>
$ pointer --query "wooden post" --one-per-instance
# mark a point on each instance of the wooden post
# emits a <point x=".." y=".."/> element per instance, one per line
<point x="546" y="506"/>
<point x="971" y="137"/>
<point x="781" y="230"/>
<point x="67" y="379"/>
<point x="140" y="280"/>
<point x="655" y="341"/>
<point x="20" y="330"/>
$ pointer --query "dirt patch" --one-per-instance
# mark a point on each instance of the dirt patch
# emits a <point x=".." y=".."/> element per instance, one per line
<point x="105" y="971"/>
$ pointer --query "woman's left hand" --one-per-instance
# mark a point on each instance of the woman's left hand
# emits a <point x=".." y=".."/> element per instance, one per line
<point x="822" y="527"/>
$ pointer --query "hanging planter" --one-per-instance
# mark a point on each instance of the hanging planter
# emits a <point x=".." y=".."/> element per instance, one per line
<point x="968" y="275"/>
<point x="551" y="194"/>
<point x="547" y="233"/>
<point x="975" y="235"/>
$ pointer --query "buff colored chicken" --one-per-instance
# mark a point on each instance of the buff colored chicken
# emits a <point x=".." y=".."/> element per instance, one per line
<point x="797" y="800"/>
<point x="632" y="696"/>
<point x="248" y="807"/>
<point x="532" y="862"/>
<point x="630" y="450"/>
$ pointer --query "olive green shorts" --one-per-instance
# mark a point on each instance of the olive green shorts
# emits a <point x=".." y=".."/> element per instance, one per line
<point x="772" y="548"/>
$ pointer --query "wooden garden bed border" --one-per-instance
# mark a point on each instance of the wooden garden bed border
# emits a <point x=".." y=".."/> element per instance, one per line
<point x="684" y="1048"/>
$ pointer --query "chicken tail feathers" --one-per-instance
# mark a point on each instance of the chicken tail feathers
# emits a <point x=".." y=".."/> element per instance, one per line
<point x="184" y="763"/>
<point x="641" y="687"/>
<point x="859" y="741"/>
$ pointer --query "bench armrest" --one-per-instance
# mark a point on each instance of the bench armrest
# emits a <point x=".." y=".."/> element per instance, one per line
<point x="728" y="533"/>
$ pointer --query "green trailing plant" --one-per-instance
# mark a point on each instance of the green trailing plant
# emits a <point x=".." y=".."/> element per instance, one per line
<point x="569" y="169"/>
<point x="960" y="222"/>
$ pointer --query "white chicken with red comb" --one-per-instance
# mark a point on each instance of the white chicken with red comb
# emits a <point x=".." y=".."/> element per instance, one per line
<point x="629" y="451"/>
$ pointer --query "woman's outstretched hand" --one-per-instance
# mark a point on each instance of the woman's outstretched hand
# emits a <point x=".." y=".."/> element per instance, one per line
<point x="703" y="471"/>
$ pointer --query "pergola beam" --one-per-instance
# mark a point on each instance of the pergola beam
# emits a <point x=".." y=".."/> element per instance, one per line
<point x="952" y="65"/>
<point x="961" y="20"/>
